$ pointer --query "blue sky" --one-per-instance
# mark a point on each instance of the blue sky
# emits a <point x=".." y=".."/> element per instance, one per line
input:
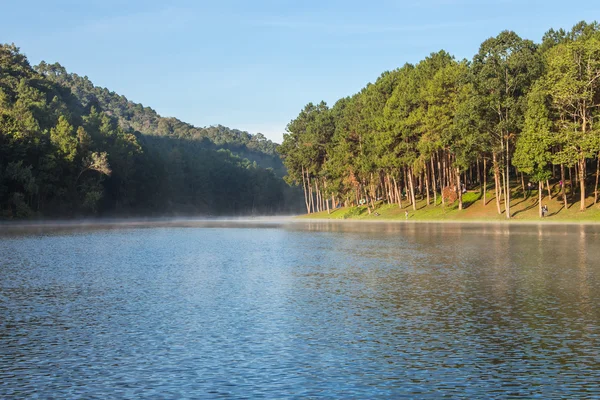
<point x="252" y="65"/>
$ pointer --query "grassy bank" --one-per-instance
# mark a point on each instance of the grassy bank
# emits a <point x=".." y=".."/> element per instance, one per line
<point x="522" y="209"/>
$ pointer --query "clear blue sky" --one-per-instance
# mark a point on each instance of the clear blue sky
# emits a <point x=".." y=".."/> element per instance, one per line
<point x="252" y="65"/>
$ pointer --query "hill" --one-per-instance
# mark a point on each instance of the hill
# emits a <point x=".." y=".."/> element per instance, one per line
<point x="69" y="148"/>
<point x="136" y="117"/>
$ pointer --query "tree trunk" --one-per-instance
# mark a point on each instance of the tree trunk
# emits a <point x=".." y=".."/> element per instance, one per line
<point x="597" y="176"/>
<point x="440" y="172"/>
<point x="460" y="203"/>
<point x="310" y="196"/>
<point x="523" y="184"/>
<point x="373" y="193"/>
<point x="484" y="181"/>
<point x="570" y="181"/>
<point x="406" y="186"/>
<point x="398" y="197"/>
<point x="317" y="195"/>
<point x="389" y="190"/>
<point x="478" y="172"/>
<point x="444" y="175"/>
<point x="548" y="187"/>
<point x="582" y="182"/>
<point x="304" y="189"/>
<point x="433" y="182"/>
<point x="540" y="190"/>
<point x="496" y="181"/>
<point x="364" y="193"/>
<point x="563" y="192"/>
<point x="507" y="182"/>
<point x="427" y="184"/>
<point x="412" y="188"/>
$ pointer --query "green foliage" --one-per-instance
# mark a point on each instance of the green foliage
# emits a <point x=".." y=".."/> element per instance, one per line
<point x="354" y="212"/>
<point x="69" y="148"/>
<point x="516" y="104"/>
<point x="135" y="117"/>
<point x="532" y="155"/>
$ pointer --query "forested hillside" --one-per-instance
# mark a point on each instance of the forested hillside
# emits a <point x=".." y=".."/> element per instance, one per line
<point x="68" y="148"/>
<point x="517" y="112"/>
<point x="135" y="117"/>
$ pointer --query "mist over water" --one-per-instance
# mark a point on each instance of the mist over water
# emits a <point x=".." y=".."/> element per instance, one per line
<point x="276" y="308"/>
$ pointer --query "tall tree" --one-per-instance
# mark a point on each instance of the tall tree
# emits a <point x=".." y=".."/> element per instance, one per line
<point x="573" y="81"/>
<point x="504" y="69"/>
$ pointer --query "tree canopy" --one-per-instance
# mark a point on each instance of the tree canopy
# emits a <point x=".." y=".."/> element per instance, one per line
<point x="431" y="128"/>
<point x="69" y="148"/>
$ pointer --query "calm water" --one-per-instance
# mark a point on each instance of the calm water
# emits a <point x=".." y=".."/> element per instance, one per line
<point x="301" y="310"/>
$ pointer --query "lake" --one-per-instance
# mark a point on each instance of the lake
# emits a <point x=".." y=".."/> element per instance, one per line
<point x="274" y="308"/>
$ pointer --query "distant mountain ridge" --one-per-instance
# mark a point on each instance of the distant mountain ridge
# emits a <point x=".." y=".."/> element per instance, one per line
<point x="139" y="118"/>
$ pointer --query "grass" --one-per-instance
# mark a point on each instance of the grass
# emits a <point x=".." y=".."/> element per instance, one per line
<point x="522" y="209"/>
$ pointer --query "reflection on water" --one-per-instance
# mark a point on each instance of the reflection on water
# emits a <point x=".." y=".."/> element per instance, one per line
<point x="311" y="309"/>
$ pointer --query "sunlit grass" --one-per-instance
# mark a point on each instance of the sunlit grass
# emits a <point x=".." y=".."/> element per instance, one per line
<point x="522" y="209"/>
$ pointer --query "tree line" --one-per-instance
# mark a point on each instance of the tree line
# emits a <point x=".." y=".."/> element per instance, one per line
<point x="517" y="111"/>
<point x="67" y="150"/>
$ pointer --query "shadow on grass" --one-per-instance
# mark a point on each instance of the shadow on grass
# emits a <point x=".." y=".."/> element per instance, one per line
<point x="557" y="211"/>
<point x="488" y="200"/>
<point x="526" y="208"/>
<point x="354" y="212"/>
<point x="468" y="203"/>
<point x="522" y="200"/>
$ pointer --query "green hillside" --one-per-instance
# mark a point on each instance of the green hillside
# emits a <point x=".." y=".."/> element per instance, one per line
<point x="68" y="148"/>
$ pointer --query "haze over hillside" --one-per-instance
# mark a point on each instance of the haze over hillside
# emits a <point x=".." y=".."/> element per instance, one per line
<point x="69" y="148"/>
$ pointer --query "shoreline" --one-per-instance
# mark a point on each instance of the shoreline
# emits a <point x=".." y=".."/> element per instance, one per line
<point x="262" y="221"/>
<point x="512" y="221"/>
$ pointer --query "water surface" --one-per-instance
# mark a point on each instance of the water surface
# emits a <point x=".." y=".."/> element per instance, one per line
<point x="274" y="309"/>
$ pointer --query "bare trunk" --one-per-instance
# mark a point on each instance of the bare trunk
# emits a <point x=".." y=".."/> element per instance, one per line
<point x="305" y="190"/>
<point x="497" y="181"/>
<point x="373" y="193"/>
<point x="440" y="172"/>
<point x="523" y="184"/>
<point x="433" y="182"/>
<point x="570" y="181"/>
<point x="444" y="176"/>
<point x="412" y="189"/>
<point x="318" y="195"/>
<point x="563" y="192"/>
<point x="310" y="196"/>
<point x="548" y="188"/>
<point x="478" y="172"/>
<point x="460" y="204"/>
<point x="582" y="182"/>
<point x="325" y="199"/>
<point x="406" y="186"/>
<point x="398" y="197"/>
<point x="540" y="190"/>
<point x="597" y="176"/>
<point x="391" y="190"/>
<point x="507" y="182"/>
<point x="427" y="184"/>
<point x="484" y="181"/>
